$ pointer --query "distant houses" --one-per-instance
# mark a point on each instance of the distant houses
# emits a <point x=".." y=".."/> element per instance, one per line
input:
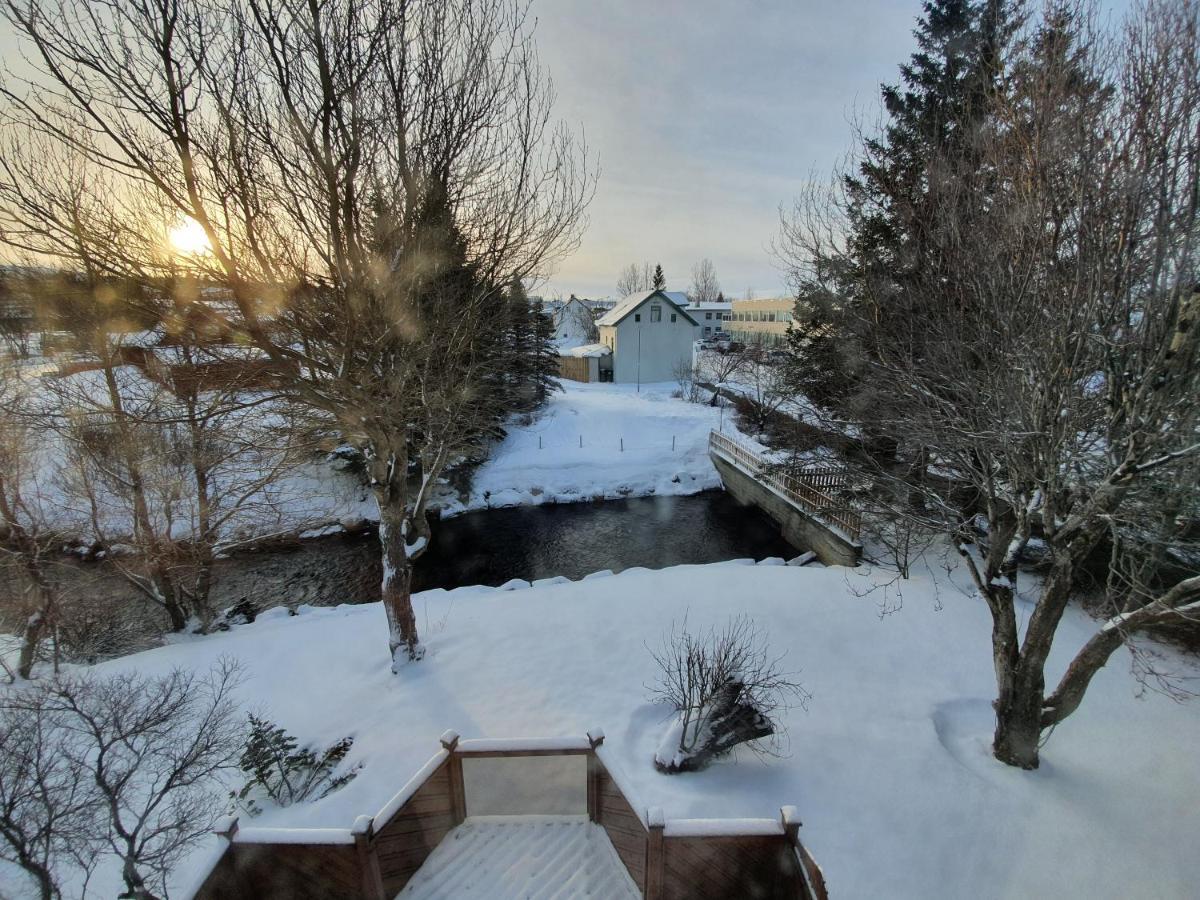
<point x="711" y="316"/>
<point x="574" y="324"/>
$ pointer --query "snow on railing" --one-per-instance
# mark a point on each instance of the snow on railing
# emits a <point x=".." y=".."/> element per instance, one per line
<point x="721" y="827"/>
<point x="804" y="487"/>
<point x="516" y="746"/>
<point x="293" y="836"/>
<point x="410" y="787"/>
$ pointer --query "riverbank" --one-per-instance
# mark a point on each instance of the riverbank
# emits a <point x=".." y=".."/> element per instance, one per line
<point x="889" y="766"/>
<point x="590" y="442"/>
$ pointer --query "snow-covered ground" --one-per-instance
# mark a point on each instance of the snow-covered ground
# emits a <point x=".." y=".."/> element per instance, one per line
<point x="589" y="441"/>
<point x="602" y="440"/>
<point x="889" y="767"/>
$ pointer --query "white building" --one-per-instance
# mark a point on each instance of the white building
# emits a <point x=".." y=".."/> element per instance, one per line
<point x="650" y="334"/>
<point x="711" y="316"/>
<point x="574" y="324"/>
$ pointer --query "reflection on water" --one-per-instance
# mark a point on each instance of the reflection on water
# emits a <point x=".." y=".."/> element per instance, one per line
<point x="575" y="539"/>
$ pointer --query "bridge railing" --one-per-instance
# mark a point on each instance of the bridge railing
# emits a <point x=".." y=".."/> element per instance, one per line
<point x="811" y="489"/>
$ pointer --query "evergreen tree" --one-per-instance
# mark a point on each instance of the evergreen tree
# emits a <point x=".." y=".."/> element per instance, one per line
<point x="934" y="115"/>
<point x="660" y="280"/>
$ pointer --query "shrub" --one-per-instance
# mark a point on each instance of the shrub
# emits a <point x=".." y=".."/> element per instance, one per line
<point x="725" y="688"/>
<point x="285" y="773"/>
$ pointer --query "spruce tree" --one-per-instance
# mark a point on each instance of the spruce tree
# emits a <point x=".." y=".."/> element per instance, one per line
<point x="934" y="114"/>
<point x="660" y="280"/>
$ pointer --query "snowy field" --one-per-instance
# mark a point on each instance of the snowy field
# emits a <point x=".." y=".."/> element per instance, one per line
<point x="634" y="443"/>
<point x="590" y="441"/>
<point x="889" y="767"/>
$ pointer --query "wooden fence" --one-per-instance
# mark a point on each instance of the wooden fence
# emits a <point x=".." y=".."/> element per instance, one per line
<point x="574" y="368"/>
<point x="812" y="489"/>
<point x="668" y="859"/>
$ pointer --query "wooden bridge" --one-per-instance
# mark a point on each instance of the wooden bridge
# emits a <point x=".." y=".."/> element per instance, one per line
<point x="423" y="843"/>
<point x="806" y="503"/>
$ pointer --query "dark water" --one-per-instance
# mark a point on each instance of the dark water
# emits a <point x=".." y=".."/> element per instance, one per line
<point x="575" y="539"/>
<point x="486" y="547"/>
<point x="493" y="546"/>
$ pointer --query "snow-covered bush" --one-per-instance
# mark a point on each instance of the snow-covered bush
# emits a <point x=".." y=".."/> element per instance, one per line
<point x="284" y="773"/>
<point x="725" y="688"/>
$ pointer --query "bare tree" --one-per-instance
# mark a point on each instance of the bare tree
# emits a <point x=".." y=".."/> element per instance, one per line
<point x="686" y="376"/>
<point x="726" y="690"/>
<point x="152" y="748"/>
<point x="29" y="537"/>
<point x="721" y="366"/>
<point x="635" y="278"/>
<point x="705" y="286"/>
<point x="368" y="177"/>
<point x="1046" y="392"/>
<point x="48" y="809"/>
<point x="766" y="386"/>
<point x="170" y="468"/>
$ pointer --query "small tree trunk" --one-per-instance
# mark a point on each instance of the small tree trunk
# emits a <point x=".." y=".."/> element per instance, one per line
<point x="175" y="611"/>
<point x="403" y="644"/>
<point x="31" y="637"/>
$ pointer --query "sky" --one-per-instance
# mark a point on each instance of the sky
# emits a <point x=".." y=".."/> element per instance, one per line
<point x="706" y="117"/>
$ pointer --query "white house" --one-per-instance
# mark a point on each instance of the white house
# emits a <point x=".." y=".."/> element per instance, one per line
<point x="711" y="316"/>
<point x="574" y="324"/>
<point x="650" y="334"/>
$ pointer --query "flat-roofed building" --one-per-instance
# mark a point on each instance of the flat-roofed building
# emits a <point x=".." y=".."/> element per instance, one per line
<point x="711" y="316"/>
<point x="760" y="321"/>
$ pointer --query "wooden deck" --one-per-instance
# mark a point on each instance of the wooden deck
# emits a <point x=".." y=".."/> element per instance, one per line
<point x="517" y="857"/>
<point x="421" y="844"/>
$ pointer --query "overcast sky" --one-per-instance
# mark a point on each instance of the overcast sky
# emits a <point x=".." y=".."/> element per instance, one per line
<point x="706" y="115"/>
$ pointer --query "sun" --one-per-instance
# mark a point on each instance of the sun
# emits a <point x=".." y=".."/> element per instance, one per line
<point x="188" y="238"/>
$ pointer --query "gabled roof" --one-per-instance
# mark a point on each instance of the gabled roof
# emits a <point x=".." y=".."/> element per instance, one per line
<point x="676" y="299"/>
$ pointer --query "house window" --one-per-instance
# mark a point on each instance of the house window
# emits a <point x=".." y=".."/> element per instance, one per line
<point x="770" y="317"/>
<point x="637" y="317"/>
<point x="656" y="314"/>
<point x="708" y="316"/>
<point x="672" y="317"/>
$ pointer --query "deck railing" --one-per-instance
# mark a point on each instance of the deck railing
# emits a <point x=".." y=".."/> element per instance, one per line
<point x="812" y="489"/>
<point x="375" y="858"/>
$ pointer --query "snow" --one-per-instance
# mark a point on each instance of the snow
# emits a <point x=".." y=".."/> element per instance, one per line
<point x="585" y="351"/>
<point x="590" y="441"/>
<point x="626" y="449"/>
<point x="508" y="745"/>
<point x="721" y="827"/>
<point x="889" y="768"/>
<point x="517" y="857"/>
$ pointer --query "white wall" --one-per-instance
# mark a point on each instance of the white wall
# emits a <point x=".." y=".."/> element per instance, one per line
<point x="663" y="344"/>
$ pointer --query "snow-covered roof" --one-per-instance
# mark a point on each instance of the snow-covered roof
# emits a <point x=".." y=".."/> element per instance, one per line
<point x="678" y="299"/>
<point x="713" y="306"/>
<point x="585" y="350"/>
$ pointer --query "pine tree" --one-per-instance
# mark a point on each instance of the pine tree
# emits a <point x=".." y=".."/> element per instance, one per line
<point x="933" y="116"/>
<point x="660" y="280"/>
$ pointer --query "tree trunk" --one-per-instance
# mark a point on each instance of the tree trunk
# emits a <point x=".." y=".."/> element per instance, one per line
<point x="30" y="638"/>
<point x="403" y="643"/>
<point x="1018" y="729"/>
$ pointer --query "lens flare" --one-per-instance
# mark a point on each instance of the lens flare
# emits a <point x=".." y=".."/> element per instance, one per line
<point x="188" y="238"/>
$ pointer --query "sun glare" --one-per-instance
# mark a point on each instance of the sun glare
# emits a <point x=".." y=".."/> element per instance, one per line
<point x="188" y="238"/>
